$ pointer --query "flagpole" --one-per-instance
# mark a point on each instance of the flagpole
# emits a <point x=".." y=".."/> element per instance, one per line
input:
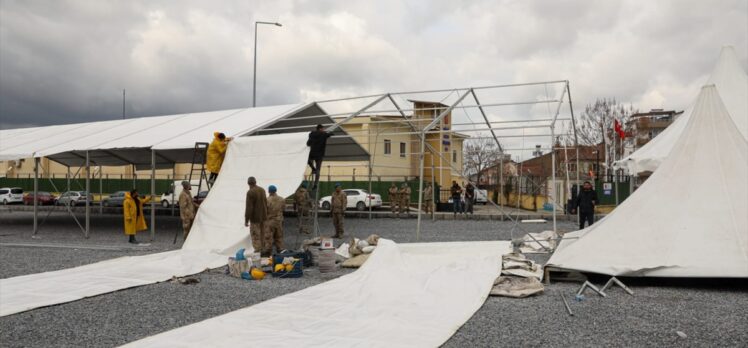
<point x="615" y="153"/>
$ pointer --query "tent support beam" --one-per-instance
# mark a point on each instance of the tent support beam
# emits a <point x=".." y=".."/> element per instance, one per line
<point x="153" y="193"/>
<point x="36" y="194"/>
<point x="88" y="194"/>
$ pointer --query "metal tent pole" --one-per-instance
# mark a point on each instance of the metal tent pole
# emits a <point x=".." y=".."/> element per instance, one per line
<point x="576" y="141"/>
<point x="153" y="190"/>
<point x="101" y="191"/>
<point x="88" y="194"/>
<point x="420" y="188"/>
<point x="174" y="186"/>
<point x="433" y="187"/>
<point x="553" y="179"/>
<point x="36" y="193"/>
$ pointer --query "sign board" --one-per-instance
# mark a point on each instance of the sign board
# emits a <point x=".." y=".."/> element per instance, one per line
<point x="607" y="188"/>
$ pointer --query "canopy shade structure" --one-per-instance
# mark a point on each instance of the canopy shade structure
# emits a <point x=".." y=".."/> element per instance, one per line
<point x="687" y="220"/>
<point x="732" y="83"/>
<point x="173" y="137"/>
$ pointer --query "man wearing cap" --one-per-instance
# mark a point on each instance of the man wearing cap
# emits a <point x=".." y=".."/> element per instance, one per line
<point x="394" y="198"/>
<point x="404" y="194"/>
<point x="274" y="224"/>
<point x="428" y="199"/>
<point x="187" y="208"/>
<point x="339" y="203"/>
<point x="317" y="143"/>
<point x="255" y="214"/>
<point x="302" y="203"/>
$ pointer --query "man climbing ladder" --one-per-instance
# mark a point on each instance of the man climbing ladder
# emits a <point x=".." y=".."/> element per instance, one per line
<point x="317" y="143"/>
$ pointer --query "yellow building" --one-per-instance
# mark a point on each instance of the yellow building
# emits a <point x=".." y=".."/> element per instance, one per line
<point x="394" y="147"/>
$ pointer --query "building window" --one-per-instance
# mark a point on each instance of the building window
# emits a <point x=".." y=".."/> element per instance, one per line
<point x="402" y="149"/>
<point x="387" y="146"/>
<point x="454" y="156"/>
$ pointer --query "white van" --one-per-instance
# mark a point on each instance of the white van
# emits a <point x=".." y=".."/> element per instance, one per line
<point x="481" y="196"/>
<point x="10" y="195"/>
<point x="167" y="199"/>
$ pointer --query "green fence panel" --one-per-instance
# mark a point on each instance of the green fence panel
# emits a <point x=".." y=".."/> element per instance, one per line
<point x="107" y="185"/>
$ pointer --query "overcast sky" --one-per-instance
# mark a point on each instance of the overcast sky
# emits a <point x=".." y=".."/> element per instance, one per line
<point x="68" y="61"/>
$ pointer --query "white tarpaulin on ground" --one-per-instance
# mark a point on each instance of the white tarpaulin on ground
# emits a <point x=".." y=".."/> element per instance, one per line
<point x="731" y="82"/>
<point x="689" y="219"/>
<point x="218" y="231"/>
<point x="405" y="295"/>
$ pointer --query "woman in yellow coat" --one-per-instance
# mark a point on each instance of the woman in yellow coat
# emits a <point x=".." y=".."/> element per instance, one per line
<point x="133" y="213"/>
<point x="215" y="155"/>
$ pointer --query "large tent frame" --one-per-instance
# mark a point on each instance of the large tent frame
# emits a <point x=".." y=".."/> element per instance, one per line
<point x="315" y="113"/>
<point x="412" y="128"/>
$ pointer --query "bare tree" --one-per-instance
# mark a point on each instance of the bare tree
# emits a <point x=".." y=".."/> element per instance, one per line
<point x="596" y="122"/>
<point x="480" y="154"/>
<point x="596" y="125"/>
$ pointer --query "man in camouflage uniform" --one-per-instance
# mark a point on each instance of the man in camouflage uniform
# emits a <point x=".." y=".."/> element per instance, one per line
<point x="274" y="223"/>
<point x="404" y="194"/>
<point x="303" y="204"/>
<point x="187" y="208"/>
<point x="393" y="197"/>
<point x="255" y="215"/>
<point x="428" y="199"/>
<point x="339" y="203"/>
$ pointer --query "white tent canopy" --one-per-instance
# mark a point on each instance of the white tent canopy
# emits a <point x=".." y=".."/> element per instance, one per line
<point x="732" y="83"/>
<point x="688" y="219"/>
<point x="173" y="137"/>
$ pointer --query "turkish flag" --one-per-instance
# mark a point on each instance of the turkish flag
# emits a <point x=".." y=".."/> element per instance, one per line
<point x="617" y="127"/>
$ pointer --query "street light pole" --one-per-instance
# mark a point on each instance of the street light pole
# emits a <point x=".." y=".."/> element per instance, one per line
<point x="254" y="74"/>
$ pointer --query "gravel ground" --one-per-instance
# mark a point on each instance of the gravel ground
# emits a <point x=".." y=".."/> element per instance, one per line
<point x="708" y="314"/>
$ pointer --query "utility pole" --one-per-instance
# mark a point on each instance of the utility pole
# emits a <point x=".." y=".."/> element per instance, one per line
<point x="123" y="104"/>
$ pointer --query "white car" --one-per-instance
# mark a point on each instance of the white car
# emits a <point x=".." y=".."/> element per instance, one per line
<point x="359" y="199"/>
<point x="10" y="195"/>
<point x="73" y="198"/>
<point x="176" y="188"/>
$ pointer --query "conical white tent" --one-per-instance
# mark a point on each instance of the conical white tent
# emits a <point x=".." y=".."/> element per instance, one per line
<point x="731" y="82"/>
<point x="690" y="219"/>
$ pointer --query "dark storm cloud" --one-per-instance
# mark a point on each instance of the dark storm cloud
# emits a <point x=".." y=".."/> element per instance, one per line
<point x="68" y="61"/>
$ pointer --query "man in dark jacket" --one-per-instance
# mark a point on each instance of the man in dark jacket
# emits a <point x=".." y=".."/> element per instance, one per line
<point x="317" y="143"/>
<point x="585" y="202"/>
<point x="456" y="192"/>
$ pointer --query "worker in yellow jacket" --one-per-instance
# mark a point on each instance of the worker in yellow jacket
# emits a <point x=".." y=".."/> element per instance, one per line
<point x="216" y="153"/>
<point x="133" y="214"/>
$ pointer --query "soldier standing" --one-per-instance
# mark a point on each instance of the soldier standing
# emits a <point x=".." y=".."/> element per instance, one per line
<point x="274" y="223"/>
<point x="404" y="194"/>
<point x="428" y="199"/>
<point x="255" y="214"/>
<point x="393" y="197"/>
<point x="187" y="208"/>
<point x="339" y="203"/>
<point x="302" y="201"/>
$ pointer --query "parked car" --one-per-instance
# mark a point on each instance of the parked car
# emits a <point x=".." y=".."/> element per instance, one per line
<point x="481" y="197"/>
<point x="200" y="197"/>
<point x="357" y="198"/>
<point x="42" y="198"/>
<point x="176" y="188"/>
<point x="116" y="199"/>
<point x="10" y="195"/>
<point x="73" y="198"/>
